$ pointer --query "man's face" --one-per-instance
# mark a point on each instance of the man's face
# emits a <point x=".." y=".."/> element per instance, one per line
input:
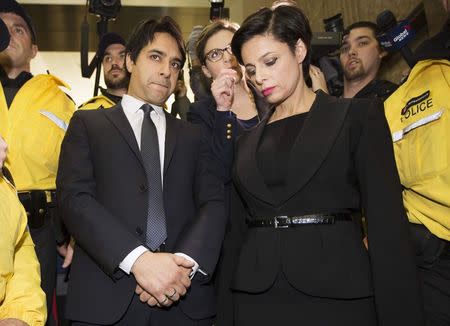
<point x="360" y="54"/>
<point x="154" y="74"/>
<point x="114" y="71"/>
<point x="21" y="48"/>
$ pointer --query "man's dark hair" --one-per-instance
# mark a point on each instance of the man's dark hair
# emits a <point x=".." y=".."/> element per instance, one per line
<point x="364" y="24"/>
<point x="287" y="24"/>
<point x="145" y="32"/>
<point x="208" y="32"/>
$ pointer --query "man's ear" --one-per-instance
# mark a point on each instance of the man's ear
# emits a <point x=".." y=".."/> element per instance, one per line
<point x="382" y="54"/>
<point x="206" y="72"/>
<point x="300" y="51"/>
<point x="34" y="50"/>
<point x="129" y="63"/>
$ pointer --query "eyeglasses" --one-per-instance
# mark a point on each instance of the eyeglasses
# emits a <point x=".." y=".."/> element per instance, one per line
<point x="217" y="54"/>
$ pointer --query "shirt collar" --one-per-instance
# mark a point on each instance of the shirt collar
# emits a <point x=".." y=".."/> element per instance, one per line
<point x="133" y="105"/>
<point x="114" y="98"/>
<point x="17" y="82"/>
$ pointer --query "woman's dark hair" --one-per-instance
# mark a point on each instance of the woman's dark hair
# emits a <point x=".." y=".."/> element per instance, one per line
<point x="285" y="23"/>
<point x="144" y="32"/>
<point x="210" y="30"/>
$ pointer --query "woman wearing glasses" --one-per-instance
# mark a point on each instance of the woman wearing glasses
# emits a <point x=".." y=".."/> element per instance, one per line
<point x="233" y="106"/>
<point x="294" y="253"/>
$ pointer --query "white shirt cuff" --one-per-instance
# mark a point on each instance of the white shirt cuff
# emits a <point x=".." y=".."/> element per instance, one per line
<point x="131" y="258"/>
<point x="195" y="268"/>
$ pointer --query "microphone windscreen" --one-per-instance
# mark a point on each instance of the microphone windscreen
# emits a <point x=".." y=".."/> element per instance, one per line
<point x="4" y="36"/>
<point x="386" y="20"/>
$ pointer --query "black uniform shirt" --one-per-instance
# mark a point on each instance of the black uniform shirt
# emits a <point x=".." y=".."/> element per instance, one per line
<point x="116" y="99"/>
<point x="12" y="86"/>
<point x="377" y="89"/>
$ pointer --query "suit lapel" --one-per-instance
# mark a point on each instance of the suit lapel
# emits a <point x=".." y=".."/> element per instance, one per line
<point x="248" y="172"/>
<point x="311" y="147"/>
<point x="120" y="121"/>
<point x="315" y="140"/>
<point x="171" y="139"/>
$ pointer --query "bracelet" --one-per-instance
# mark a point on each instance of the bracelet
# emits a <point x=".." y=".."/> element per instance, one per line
<point x="223" y="109"/>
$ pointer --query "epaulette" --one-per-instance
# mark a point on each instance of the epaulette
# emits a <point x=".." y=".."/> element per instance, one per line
<point x="60" y="84"/>
<point x="92" y="100"/>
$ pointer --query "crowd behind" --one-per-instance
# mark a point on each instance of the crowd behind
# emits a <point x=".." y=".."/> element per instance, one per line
<point x="270" y="199"/>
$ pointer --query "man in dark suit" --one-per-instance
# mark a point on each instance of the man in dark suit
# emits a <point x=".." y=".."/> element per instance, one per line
<point x="135" y="186"/>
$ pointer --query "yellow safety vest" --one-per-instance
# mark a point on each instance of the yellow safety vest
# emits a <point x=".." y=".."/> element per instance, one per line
<point x="96" y="102"/>
<point x="34" y="128"/>
<point x="21" y="295"/>
<point x="418" y="114"/>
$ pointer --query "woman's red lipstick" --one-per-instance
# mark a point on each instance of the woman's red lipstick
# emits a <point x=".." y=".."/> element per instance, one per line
<point x="267" y="91"/>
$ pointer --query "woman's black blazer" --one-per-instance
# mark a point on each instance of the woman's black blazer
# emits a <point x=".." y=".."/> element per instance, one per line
<point x="341" y="161"/>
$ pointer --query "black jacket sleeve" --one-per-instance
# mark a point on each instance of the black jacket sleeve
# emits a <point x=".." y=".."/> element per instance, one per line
<point x="215" y="126"/>
<point x="394" y="276"/>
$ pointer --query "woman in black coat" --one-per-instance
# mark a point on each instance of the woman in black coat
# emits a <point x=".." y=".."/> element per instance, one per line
<point x="233" y="105"/>
<point x="294" y="254"/>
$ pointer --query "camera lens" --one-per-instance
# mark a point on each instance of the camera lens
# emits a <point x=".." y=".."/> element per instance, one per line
<point x="334" y="23"/>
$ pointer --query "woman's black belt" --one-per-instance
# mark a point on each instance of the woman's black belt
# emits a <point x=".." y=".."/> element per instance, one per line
<point x="295" y="221"/>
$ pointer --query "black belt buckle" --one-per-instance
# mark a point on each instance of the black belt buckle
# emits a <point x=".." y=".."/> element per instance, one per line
<point x="281" y="222"/>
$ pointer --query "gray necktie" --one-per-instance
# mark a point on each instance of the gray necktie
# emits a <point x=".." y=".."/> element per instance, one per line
<point x="156" y="218"/>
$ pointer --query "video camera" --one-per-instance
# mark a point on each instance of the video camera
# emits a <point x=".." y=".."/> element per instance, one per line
<point x="324" y="50"/>
<point x="105" y="8"/>
<point x="218" y="10"/>
<point x="325" y="43"/>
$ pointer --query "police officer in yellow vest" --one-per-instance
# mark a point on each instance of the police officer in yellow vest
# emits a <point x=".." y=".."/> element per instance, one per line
<point x="419" y="117"/>
<point x="34" y="114"/>
<point x="22" y="301"/>
<point x="111" y="50"/>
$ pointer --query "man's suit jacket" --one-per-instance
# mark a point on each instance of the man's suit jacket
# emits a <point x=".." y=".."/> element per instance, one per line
<point x="341" y="161"/>
<point x="103" y="195"/>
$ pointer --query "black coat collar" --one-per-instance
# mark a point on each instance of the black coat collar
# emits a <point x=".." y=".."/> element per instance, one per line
<point x="311" y="147"/>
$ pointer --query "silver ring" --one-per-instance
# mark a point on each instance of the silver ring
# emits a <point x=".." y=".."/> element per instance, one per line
<point x="171" y="296"/>
<point x="165" y="300"/>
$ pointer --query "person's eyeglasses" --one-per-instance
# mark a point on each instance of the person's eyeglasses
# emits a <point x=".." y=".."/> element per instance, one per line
<point x="217" y="54"/>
